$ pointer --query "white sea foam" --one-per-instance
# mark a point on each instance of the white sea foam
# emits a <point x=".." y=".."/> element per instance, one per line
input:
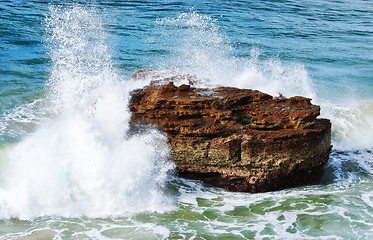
<point x="352" y="124"/>
<point x="78" y="162"/>
<point x="294" y="213"/>
<point x="21" y="120"/>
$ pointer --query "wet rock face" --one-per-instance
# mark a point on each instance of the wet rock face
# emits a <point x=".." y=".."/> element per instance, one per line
<point x="237" y="139"/>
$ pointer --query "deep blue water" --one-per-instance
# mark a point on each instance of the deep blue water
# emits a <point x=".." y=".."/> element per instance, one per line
<point x="65" y="70"/>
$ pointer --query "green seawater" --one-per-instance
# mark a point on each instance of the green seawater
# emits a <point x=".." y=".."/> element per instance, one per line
<point x="206" y="213"/>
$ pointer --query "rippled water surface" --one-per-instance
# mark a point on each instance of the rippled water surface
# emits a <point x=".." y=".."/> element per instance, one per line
<point x="69" y="171"/>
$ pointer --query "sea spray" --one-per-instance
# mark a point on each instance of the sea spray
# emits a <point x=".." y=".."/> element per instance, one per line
<point x="204" y="50"/>
<point x="352" y="124"/>
<point x="78" y="161"/>
<point x="274" y="77"/>
<point x="202" y="47"/>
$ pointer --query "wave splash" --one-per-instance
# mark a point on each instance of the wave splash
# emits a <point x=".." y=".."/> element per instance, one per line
<point x="78" y="161"/>
<point x="204" y="49"/>
<point x="352" y="124"/>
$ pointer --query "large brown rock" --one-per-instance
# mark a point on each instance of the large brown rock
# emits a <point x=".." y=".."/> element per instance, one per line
<point x="237" y="139"/>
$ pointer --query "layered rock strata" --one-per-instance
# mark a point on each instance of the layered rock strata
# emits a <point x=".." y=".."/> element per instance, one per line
<point x="237" y="139"/>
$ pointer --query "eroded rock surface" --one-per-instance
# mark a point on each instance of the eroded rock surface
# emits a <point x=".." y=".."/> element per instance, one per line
<point x="237" y="139"/>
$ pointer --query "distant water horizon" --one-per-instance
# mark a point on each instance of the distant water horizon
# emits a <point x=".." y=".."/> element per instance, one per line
<point x="68" y="169"/>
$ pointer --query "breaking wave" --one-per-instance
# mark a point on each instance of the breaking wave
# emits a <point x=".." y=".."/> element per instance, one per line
<point x="79" y="161"/>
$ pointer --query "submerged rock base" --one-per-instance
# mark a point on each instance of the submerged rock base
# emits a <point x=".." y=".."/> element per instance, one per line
<point x="237" y="139"/>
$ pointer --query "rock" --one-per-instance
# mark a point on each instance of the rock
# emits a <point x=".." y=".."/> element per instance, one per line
<point x="237" y="139"/>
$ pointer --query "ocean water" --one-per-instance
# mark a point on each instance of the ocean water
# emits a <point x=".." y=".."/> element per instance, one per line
<point x="68" y="168"/>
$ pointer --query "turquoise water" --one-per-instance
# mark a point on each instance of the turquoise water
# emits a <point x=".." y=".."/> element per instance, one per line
<point x="69" y="171"/>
